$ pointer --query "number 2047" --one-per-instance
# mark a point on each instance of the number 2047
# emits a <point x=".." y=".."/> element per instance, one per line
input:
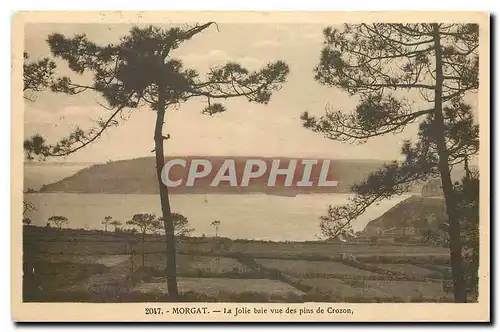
<point x="153" y="311"/>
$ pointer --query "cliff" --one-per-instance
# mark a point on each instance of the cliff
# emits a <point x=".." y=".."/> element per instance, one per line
<point x="409" y="217"/>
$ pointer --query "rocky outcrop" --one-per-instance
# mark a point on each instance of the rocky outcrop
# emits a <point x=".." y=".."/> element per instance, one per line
<point x="410" y="217"/>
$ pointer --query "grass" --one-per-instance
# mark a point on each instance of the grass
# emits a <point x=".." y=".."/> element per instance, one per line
<point x="406" y="258"/>
<point x="214" y="286"/>
<point x="50" y="277"/>
<point x="411" y="290"/>
<point x="303" y="268"/>
<point x="96" y="267"/>
<point x="444" y="270"/>
<point x="192" y="265"/>
<point x="70" y="241"/>
<point x="106" y="260"/>
<point x="404" y="291"/>
<point x="410" y="270"/>
<point x="124" y="297"/>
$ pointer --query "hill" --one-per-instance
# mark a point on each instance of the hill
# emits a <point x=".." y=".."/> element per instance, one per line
<point x="409" y="217"/>
<point x="138" y="176"/>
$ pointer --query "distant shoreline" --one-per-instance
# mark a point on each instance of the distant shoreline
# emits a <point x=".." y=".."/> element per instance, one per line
<point x="133" y="176"/>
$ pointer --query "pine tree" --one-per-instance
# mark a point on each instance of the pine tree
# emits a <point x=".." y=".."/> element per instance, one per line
<point x="139" y="71"/>
<point x="386" y="66"/>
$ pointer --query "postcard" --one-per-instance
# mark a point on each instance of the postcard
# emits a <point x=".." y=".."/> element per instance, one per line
<point x="250" y="167"/>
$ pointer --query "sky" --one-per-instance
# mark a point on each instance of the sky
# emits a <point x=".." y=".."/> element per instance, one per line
<point x="246" y="128"/>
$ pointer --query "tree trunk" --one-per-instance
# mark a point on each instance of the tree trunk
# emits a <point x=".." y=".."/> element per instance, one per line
<point x="142" y="250"/>
<point x="459" y="289"/>
<point x="165" y="204"/>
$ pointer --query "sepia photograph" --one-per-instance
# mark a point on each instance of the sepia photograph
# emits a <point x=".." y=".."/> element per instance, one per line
<point x="251" y="166"/>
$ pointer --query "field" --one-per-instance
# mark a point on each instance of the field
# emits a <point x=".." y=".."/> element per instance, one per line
<point x="381" y="290"/>
<point x="215" y="286"/>
<point x="303" y="268"/>
<point x="86" y="266"/>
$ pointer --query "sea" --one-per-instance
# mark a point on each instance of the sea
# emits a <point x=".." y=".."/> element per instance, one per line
<point x="248" y="216"/>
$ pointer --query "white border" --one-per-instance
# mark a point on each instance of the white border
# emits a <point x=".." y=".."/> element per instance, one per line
<point x="8" y="7"/>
